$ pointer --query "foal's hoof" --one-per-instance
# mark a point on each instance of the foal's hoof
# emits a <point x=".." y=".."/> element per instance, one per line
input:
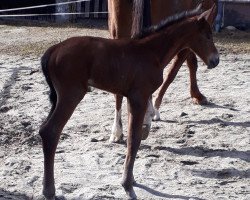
<point x="130" y="194"/>
<point x="200" y="101"/>
<point x="116" y="134"/>
<point x="40" y="197"/>
<point x="157" y="115"/>
<point x="116" y="139"/>
<point x="145" y="131"/>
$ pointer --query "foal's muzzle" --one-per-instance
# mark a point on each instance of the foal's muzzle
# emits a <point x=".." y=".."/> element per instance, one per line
<point x="214" y="61"/>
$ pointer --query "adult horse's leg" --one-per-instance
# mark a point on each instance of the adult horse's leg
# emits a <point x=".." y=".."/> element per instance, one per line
<point x="116" y="132"/>
<point x="50" y="134"/>
<point x="196" y="95"/>
<point x="137" y="109"/>
<point x="150" y="112"/>
<point x="179" y="59"/>
<point x="192" y="64"/>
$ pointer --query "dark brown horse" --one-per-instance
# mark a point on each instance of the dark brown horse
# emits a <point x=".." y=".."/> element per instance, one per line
<point x="129" y="67"/>
<point x="120" y="25"/>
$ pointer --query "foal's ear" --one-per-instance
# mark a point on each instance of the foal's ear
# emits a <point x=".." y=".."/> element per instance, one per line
<point x="209" y="15"/>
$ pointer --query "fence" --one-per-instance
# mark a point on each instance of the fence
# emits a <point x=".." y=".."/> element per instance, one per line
<point x="8" y="4"/>
<point x="72" y="11"/>
<point x="233" y="13"/>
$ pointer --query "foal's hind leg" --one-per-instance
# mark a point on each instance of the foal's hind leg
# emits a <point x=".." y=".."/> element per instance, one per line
<point x="50" y="133"/>
<point x="116" y="132"/>
<point x="196" y="95"/>
<point x="180" y="58"/>
<point x="137" y="109"/>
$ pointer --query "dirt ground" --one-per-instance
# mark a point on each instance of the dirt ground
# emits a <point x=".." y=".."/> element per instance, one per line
<point x="194" y="152"/>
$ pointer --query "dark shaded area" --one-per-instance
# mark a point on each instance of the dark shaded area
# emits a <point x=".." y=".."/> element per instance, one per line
<point x="7" y="4"/>
<point x="222" y="122"/>
<point x="222" y="174"/>
<point x="213" y="105"/>
<point x="5" y="94"/>
<point x="164" y="195"/>
<point x="88" y="9"/>
<point x="205" y="152"/>
<point x="237" y="14"/>
<point x="24" y="129"/>
<point x="12" y="195"/>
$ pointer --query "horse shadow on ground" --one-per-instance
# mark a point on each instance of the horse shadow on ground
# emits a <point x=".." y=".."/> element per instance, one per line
<point x="245" y="124"/>
<point x="222" y="174"/>
<point x="206" y="152"/>
<point x="226" y="106"/>
<point x="12" y="195"/>
<point x="217" y="120"/>
<point x="4" y="195"/>
<point x="164" y="195"/>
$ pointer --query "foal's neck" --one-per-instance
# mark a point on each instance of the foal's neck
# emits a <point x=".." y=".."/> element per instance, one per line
<point x="167" y="43"/>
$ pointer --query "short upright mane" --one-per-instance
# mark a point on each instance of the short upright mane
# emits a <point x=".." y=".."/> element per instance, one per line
<point x="168" y="22"/>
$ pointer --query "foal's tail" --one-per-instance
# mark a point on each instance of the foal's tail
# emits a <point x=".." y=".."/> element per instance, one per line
<point x="44" y="63"/>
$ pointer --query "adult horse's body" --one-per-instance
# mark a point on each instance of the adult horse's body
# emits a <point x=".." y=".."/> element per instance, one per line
<point x="120" y="25"/>
<point x="128" y="67"/>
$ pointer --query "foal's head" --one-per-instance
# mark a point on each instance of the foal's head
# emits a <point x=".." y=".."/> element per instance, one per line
<point x="203" y="44"/>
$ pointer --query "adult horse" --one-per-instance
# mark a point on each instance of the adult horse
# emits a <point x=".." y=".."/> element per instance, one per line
<point x="128" y="67"/>
<point x="120" y="24"/>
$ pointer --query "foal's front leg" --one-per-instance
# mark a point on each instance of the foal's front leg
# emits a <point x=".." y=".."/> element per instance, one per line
<point x="116" y="132"/>
<point x="137" y="109"/>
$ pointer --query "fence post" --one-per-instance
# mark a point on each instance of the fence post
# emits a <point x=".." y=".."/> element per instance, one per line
<point x="218" y="20"/>
<point x="62" y="9"/>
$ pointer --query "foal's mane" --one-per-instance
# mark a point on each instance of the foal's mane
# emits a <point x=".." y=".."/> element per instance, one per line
<point x="168" y="22"/>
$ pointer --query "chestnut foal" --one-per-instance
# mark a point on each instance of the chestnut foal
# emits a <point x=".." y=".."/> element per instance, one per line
<point x="129" y="67"/>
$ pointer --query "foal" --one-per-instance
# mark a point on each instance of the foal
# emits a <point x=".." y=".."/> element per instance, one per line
<point x="129" y="67"/>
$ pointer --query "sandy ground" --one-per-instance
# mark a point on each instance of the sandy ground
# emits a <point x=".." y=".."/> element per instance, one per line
<point x="204" y="154"/>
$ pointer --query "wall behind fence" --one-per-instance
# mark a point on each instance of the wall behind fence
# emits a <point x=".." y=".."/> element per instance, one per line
<point x="237" y="14"/>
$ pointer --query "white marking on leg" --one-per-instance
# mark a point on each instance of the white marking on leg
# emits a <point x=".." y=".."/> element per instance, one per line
<point x="116" y="132"/>
<point x="147" y="120"/>
<point x="157" y="115"/>
<point x="149" y="113"/>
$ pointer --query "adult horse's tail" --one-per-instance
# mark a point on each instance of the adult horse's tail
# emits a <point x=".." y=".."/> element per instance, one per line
<point x="44" y="63"/>
<point x="141" y="16"/>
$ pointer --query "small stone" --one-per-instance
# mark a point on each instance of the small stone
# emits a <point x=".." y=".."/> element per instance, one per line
<point x="183" y="114"/>
<point x="181" y="141"/>
<point x="93" y="140"/>
<point x="32" y="180"/>
<point x="186" y="162"/>
<point x="226" y="116"/>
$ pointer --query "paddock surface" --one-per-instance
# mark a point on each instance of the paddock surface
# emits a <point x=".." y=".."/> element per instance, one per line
<point x="194" y="152"/>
